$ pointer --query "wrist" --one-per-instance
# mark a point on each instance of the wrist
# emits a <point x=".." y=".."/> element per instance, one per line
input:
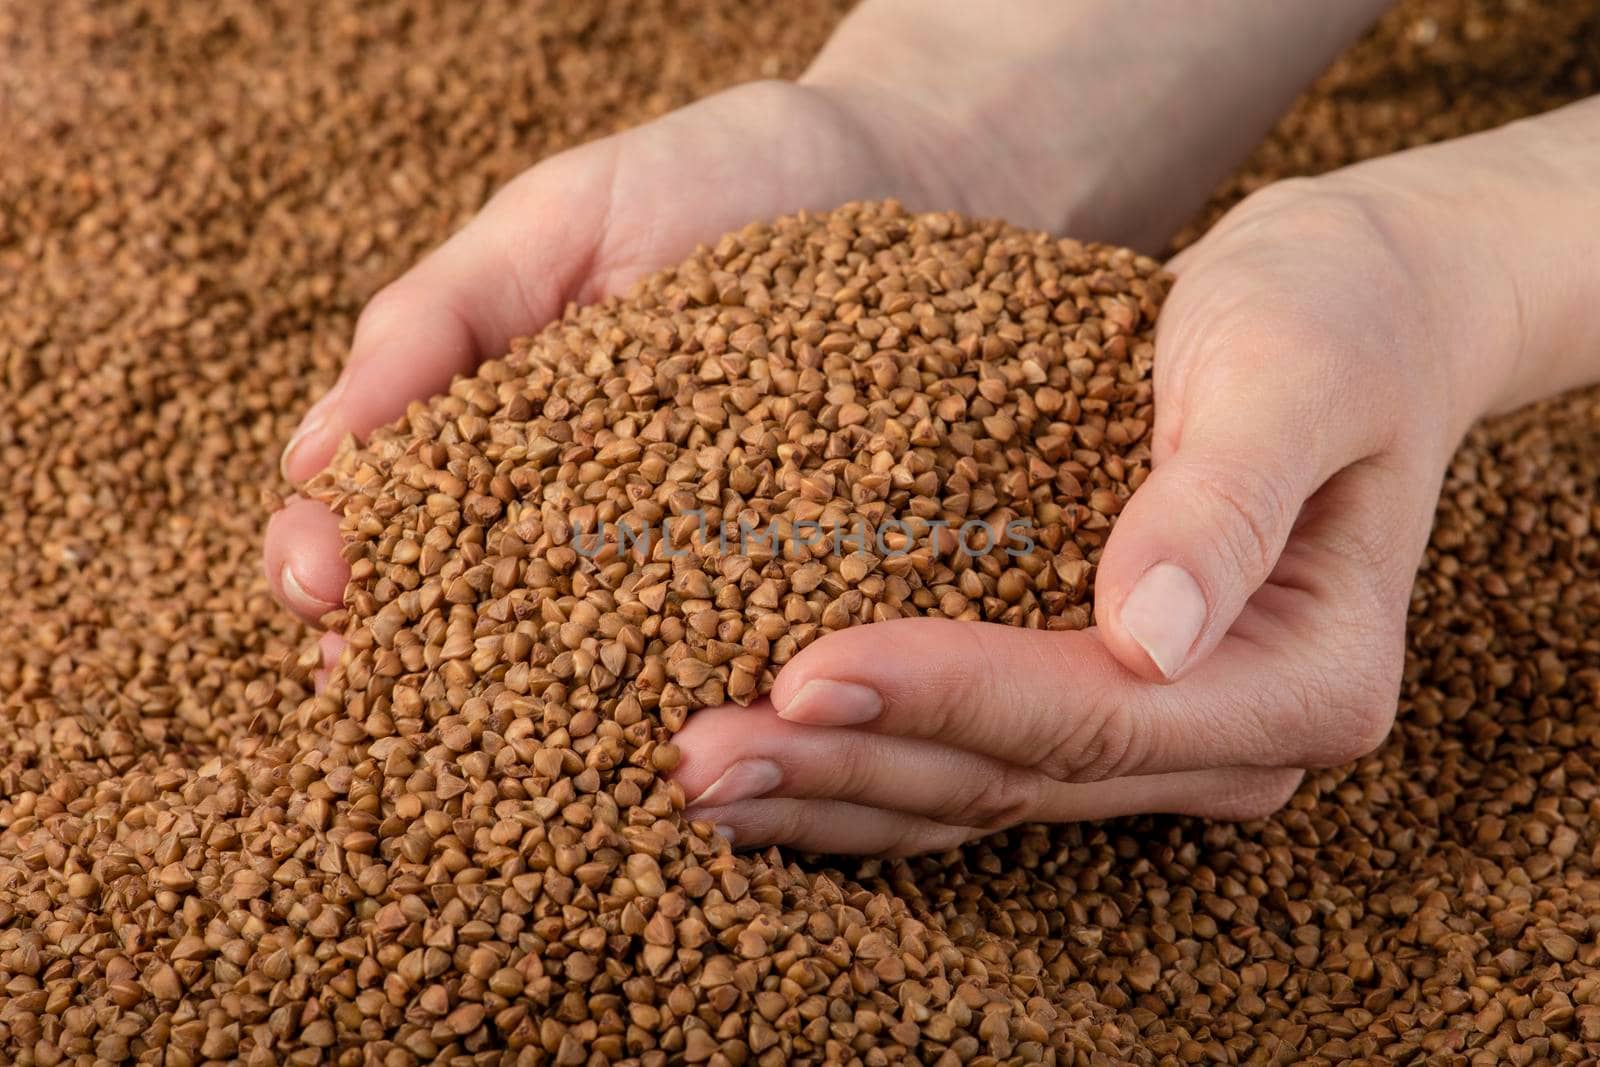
<point x="1103" y="119"/>
<point x="1494" y="229"/>
<point x="1538" y="198"/>
<point x="935" y="161"/>
<point x="1001" y="133"/>
<point x="1451" y="316"/>
<point x="948" y="120"/>
<point x="1370" y="299"/>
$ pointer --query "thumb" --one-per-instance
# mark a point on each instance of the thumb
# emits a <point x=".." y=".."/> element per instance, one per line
<point x="1249" y="425"/>
<point x="1198" y="538"/>
<point x="506" y="273"/>
<point x="1264" y="352"/>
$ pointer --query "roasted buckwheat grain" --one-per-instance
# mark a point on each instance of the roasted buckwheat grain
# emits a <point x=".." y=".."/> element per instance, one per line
<point x="195" y="201"/>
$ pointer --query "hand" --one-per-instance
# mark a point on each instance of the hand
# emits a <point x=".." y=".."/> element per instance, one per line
<point x="1251" y="601"/>
<point x="1022" y="113"/>
<point x="580" y="227"/>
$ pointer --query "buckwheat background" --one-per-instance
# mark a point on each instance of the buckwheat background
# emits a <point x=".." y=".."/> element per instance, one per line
<point x="195" y="201"/>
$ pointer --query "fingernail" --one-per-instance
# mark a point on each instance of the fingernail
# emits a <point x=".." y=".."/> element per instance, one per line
<point x="311" y="426"/>
<point x="828" y="703"/>
<point x="1165" y="613"/>
<point x="745" y="780"/>
<point x="298" y="596"/>
<point x="727" y="834"/>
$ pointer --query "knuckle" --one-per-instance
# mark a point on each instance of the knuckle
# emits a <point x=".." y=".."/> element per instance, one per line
<point x="1369" y="719"/>
<point x="849" y="774"/>
<point x="524" y="196"/>
<point x="1101" y="745"/>
<point x="389" y="316"/>
<point x="386" y="308"/>
<point x="929" y="837"/>
<point x="1311" y="208"/>
<point x="1372" y="674"/>
<point x="770" y="95"/>
<point x="1254" y="514"/>
<point x="774" y="822"/>
<point x="1349" y="718"/>
<point x="995" y="800"/>
<point x="763" y="822"/>
<point x="793" y="823"/>
<point x="942" y="705"/>
<point x="1369" y="729"/>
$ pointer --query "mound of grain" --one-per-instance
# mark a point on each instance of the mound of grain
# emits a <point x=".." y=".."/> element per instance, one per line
<point x="197" y="201"/>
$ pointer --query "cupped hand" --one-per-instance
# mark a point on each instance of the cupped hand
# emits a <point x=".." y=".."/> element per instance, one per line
<point x="1250" y="603"/>
<point x="578" y="227"/>
<point x="1017" y="114"/>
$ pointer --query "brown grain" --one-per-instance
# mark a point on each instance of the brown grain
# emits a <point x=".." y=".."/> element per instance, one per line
<point x="194" y="864"/>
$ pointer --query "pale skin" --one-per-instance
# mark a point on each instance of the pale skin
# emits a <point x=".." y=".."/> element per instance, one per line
<point x="1321" y="354"/>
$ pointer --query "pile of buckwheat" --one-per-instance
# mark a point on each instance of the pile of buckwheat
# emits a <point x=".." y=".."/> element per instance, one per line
<point x="465" y="849"/>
